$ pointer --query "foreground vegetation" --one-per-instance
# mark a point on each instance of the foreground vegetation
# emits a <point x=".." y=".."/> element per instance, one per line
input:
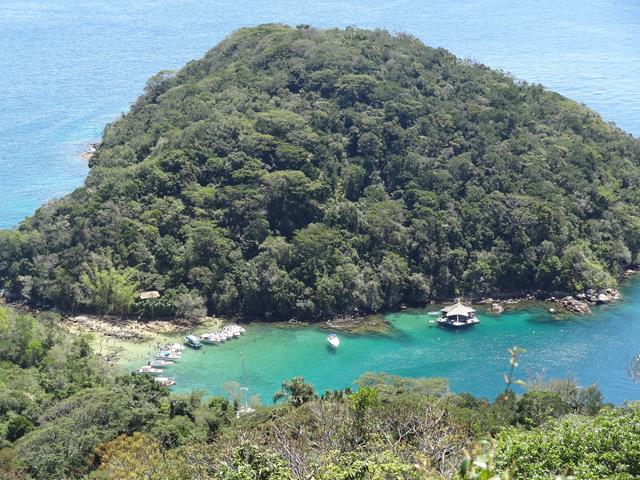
<point x="296" y="172"/>
<point x="63" y="415"/>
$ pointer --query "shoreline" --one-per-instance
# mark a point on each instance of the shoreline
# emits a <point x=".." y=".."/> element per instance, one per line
<point x="123" y="340"/>
<point x="91" y="151"/>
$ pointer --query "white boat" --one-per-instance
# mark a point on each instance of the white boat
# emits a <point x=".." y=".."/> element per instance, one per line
<point x="149" y="369"/>
<point x="160" y="363"/>
<point x="176" y="347"/>
<point x="333" y="341"/>
<point x="237" y="329"/>
<point x="210" y="338"/>
<point x="231" y="331"/>
<point x="167" y="355"/>
<point x="165" y="381"/>
<point x="192" y="341"/>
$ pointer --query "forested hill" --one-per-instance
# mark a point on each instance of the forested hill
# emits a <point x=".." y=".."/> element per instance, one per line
<point x="296" y="172"/>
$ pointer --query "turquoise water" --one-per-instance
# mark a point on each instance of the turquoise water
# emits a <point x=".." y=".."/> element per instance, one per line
<point x="592" y="349"/>
<point x="70" y="67"/>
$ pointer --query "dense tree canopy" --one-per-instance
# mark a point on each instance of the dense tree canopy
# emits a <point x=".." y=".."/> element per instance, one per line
<point x="297" y="172"/>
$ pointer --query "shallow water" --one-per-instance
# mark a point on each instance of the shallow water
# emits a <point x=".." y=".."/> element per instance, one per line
<point x="593" y="348"/>
<point x="70" y="67"/>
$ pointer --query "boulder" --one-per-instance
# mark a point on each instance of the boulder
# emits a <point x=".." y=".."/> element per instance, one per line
<point x="613" y="293"/>
<point x="576" y="306"/>
<point x="497" y="308"/>
<point x="603" y="298"/>
<point x="487" y="301"/>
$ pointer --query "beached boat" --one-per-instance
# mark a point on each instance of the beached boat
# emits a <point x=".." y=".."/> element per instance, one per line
<point x="160" y="363"/>
<point x="149" y="369"/>
<point x="458" y="315"/>
<point x="192" y="341"/>
<point x="333" y="341"/>
<point x="210" y="338"/>
<point x="165" y="381"/>
<point x="168" y="355"/>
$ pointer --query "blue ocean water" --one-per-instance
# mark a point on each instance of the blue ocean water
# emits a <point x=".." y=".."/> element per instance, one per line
<point x="70" y="67"/>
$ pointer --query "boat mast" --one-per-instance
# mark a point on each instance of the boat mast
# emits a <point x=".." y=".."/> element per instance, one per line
<point x="244" y="388"/>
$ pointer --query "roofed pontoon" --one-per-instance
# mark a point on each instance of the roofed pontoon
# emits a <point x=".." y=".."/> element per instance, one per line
<point x="458" y="315"/>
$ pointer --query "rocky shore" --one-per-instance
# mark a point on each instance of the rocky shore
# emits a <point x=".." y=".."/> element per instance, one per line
<point x="91" y="151"/>
<point x="124" y="329"/>
<point x="579" y="304"/>
<point x="123" y="340"/>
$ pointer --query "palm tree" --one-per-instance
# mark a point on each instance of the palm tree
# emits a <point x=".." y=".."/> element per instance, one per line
<point x="296" y="391"/>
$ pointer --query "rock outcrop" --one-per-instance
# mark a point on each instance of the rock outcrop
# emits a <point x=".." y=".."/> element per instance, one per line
<point x="576" y="306"/>
<point x="497" y="308"/>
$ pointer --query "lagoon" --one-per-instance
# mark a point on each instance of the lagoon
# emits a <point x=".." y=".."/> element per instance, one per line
<point x="592" y="349"/>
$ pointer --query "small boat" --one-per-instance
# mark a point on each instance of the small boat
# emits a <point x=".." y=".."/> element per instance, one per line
<point x="192" y="341"/>
<point x="160" y="363"/>
<point x="210" y="338"/>
<point x="165" y="381"/>
<point x="176" y="347"/>
<point x="167" y="355"/>
<point x="333" y="341"/>
<point x="149" y="369"/>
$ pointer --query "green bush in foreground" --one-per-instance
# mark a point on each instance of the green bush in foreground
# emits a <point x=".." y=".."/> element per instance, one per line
<point x="606" y="446"/>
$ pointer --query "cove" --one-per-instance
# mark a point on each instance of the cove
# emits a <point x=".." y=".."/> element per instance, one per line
<point x="592" y="349"/>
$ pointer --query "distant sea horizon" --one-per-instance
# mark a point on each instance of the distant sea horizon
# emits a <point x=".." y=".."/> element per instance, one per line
<point x="70" y="69"/>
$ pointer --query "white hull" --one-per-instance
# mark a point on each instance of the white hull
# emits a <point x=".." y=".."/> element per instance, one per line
<point x="333" y="341"/>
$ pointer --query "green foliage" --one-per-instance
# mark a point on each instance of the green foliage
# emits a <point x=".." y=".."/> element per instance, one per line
<point x="296" y="392"/>
<point x="109" y="290"/>
<point x="390" y="386"/>
<point x="376" y="466"/>
<point x="252" y="463"/>
<point x="17" y="426"/>
<point x="537" y="406"/>
<point x="601" y="447"/>
<point x="381" y="172"/>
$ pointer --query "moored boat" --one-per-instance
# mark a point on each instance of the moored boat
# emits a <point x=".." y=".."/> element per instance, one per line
<point x="168" y="355"/>
<point x="333" y="341"/>
<point x="165" y="381"/>
<point x="192" y="341"/>
<point x="210" y="338"/>
<point x="149" y="369"/>
<point x="160" y="363"/>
